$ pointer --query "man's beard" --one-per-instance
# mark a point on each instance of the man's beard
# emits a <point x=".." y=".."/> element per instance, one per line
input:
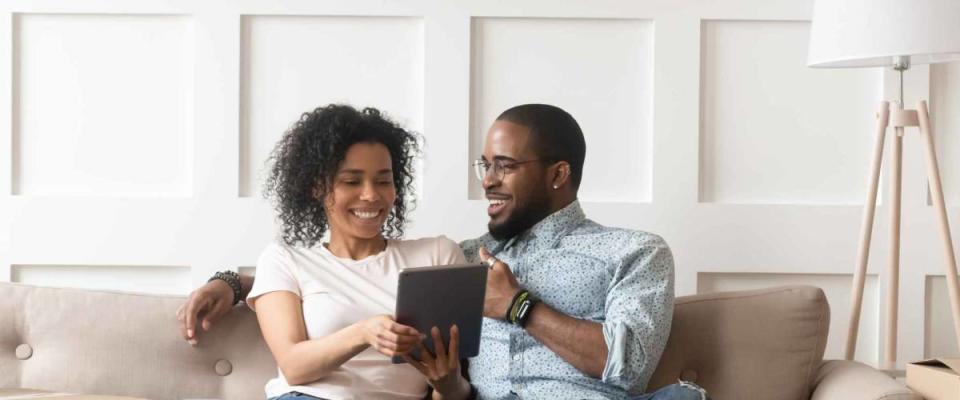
<point x="522" y="218"/>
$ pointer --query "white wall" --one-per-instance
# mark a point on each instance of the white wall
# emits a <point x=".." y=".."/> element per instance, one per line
<point x="133" y="135"/>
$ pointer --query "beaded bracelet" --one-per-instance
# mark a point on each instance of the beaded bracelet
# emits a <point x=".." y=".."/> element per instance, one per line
<point x="232" y="279"/>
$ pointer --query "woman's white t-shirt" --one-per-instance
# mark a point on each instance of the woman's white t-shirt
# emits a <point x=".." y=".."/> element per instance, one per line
<point x="337" y="292"/>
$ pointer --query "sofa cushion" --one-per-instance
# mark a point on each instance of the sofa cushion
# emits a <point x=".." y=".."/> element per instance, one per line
<point x="842" y="379"/>
<point x="31" y="394"/>
<point x="111" y="343"/>
<point x="759" y="344"/>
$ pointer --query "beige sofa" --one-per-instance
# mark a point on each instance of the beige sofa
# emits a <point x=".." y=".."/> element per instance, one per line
<point x="765" y="344"/>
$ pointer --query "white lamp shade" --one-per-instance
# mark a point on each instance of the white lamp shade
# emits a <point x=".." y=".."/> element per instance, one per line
<point x="870" y="33"/>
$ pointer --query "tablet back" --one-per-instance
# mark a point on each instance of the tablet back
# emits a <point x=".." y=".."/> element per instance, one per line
<point x="442" y="296"/>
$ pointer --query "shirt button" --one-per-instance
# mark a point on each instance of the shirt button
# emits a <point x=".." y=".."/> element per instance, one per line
<point x="516" y="357"/>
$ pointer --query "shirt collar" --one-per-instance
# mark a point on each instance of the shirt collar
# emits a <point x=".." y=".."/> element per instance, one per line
<point x="549" y="230"/>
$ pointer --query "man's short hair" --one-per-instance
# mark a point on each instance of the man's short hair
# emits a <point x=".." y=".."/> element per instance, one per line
<point x="556" y="136"/>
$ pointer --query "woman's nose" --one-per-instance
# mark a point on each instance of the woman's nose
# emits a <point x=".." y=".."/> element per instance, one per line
<point x="369" y="192"/>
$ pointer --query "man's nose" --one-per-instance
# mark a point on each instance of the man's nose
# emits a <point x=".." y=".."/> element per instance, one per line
<point x="491" y="178"/>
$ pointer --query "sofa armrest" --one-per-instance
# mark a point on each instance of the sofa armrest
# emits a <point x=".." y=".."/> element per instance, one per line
<point x="840" y="379"/>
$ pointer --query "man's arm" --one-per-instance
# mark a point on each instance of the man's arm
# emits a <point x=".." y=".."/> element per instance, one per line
<point x="639" y="308"/>
<point x="576" y="341"/>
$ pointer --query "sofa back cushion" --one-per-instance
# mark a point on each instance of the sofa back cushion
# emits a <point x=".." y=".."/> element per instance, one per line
<point x="759" y="344"/>
<point x="762" y="344"/>
<point x="85" y="341"/>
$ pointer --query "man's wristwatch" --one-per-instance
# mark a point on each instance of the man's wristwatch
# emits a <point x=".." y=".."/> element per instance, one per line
<point x="520" y="308"/>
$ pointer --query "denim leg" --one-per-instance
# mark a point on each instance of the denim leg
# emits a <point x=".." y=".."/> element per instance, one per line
<point x="295" y="396"/>
<point x="677" y="391"/>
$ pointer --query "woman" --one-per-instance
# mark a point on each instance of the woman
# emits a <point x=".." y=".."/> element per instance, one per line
<point x="324" y="308"/>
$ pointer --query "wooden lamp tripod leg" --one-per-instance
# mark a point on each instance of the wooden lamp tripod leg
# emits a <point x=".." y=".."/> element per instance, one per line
<point x="893" y="270"/>
<point x="866" y="231"/>
<point x="936" y="194"/>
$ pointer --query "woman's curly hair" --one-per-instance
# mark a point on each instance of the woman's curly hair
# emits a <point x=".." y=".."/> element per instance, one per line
<point x="308" y="156"/>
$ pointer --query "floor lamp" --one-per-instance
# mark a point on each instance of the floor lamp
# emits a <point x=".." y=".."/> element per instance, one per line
<point x="897" y="34"/>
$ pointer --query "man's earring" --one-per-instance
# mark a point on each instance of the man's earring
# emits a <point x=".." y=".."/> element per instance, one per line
<point x="555" y="187"/>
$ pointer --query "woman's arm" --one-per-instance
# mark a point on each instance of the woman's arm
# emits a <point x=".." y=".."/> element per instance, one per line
<point x="301" y="360"/>
<point x="207" y="304"/>
<point x="305" y="360"/>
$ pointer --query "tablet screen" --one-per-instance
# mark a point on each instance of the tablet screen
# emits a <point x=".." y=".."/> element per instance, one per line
<point x="442" y="296"/>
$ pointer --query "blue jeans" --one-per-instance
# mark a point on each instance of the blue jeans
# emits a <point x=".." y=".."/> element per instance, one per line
<point x="676" y="391"/>
<point x="295" y="396"/>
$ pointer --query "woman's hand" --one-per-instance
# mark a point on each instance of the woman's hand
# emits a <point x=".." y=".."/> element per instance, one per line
<point x="442" y="369"/>
<point x="389" y="337"/>
<point x="206" y="304"/>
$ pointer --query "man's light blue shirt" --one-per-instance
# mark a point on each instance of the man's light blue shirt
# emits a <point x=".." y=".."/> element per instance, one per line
<point x="619" y="278"/>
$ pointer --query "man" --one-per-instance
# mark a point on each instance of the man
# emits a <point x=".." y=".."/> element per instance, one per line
<point x="573" y="309"/>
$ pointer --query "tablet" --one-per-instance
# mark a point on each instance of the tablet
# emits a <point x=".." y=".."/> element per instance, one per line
<point x="442" y="296"/>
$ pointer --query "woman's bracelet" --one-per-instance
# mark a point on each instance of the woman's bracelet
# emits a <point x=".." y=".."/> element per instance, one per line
<point x="232" y="279"/>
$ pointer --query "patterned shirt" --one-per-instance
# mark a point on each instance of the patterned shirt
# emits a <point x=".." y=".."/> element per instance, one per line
<point x="619" y="278"/>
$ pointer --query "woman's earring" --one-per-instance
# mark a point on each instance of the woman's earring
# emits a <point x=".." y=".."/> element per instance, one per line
<point x="555" y="187"/>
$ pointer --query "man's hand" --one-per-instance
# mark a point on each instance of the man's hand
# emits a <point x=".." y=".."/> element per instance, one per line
<point x="501" y="287"/>
<point x="207" y="304"/>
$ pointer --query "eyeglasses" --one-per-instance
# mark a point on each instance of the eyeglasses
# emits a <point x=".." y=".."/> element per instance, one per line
<point x="500" y="167"/>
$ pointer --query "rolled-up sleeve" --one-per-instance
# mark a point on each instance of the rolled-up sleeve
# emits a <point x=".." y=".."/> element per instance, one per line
<point x="639" y="310"/>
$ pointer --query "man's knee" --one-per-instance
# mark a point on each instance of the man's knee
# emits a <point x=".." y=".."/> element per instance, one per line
<point x="689" y="391"/>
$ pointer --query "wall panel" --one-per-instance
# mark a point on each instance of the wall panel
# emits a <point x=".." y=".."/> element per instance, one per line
<point x="103" y="105"/>
<point x="774" y="131"/>
<point x="293" y="64"/>
<point x="608" y="88"/>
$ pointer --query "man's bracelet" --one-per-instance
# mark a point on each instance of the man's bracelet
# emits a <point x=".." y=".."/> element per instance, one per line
<point x="232" y="279"/>
<point x="513" y="302"/>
